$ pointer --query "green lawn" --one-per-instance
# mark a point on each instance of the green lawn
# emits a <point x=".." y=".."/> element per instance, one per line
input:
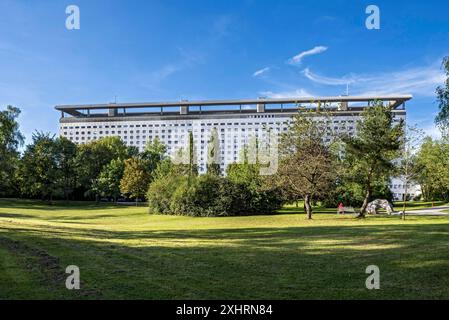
<point x="125" y="253"/>
<point x="414" y="205"/>
<point x="397" y="206"/>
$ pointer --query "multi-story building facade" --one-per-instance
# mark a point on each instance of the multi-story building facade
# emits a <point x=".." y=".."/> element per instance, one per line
<point x="235" y="121"/>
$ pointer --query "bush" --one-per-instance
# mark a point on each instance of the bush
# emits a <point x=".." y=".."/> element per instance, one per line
<point x="209" y="195"/>
<point x="200" y="196"/>
<point x="160" y="193"/>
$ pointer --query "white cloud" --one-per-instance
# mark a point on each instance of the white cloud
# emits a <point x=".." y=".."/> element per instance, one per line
<point x="420" y="81"/>
<point x="298" y="58"/>
<point x="327" y="80"/>
<point x="298" y="93"/>
<point x="261" y="71"/>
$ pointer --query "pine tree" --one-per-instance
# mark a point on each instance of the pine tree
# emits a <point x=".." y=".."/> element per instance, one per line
<point x="370" y="154"/>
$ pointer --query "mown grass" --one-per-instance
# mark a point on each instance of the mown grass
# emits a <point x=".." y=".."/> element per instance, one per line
<point x="126" y="253"/>
<point x="415" y="205"/>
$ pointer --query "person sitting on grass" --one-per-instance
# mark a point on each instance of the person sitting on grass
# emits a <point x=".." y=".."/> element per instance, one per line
<point x="341" y="208"/>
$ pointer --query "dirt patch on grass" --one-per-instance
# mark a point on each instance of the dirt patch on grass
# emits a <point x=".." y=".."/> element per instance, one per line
<point x="47" y="268"/>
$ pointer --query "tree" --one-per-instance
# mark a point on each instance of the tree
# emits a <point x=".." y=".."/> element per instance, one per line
<point x="213" y="154"/>
<point x="66" y="152"/>
<point x="193" y="164"/>
<point x="136" y="178"/>
<point x="370" y="154"/>
<point x="108" y="182"/>
<point x="306" y="166"/>
<point x="245" y="172"/>
<point x="163" y="169"/>
<point x="93" y="156"/>
<point x="407" y="170"/>
<point x="154" y="153"/>
<point x="10" y="140"/>
<point x="185" y="159"/>
<point x="38" y="170"/>
<point x="432" y="169"/>
<point x="442" y="119"/>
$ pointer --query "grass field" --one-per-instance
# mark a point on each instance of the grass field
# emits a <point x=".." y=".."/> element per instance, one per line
<point x="125" y="253"/>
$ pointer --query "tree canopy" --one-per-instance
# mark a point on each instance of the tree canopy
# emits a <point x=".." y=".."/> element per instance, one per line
<point x="307" y="167"/>
<point x="10" y="140"/>
<point x="442" y="119"/>
<point x="369" y="156"/>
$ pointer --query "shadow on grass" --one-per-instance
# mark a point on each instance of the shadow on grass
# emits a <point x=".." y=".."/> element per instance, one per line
<point x="300" y="210"/>
<point x="56" y="205"/>
<point x="249" y="263"/>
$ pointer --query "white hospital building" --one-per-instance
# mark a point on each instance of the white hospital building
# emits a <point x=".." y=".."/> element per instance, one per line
<point x="236" y="121"/>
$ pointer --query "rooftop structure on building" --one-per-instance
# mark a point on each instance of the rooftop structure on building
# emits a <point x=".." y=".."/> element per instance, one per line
<point x="244" y="106"/>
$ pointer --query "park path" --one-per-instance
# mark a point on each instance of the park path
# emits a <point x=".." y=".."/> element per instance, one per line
<point x="435" y="211"/>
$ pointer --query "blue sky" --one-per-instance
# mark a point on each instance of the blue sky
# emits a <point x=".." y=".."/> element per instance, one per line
<point x="170" y="50"/>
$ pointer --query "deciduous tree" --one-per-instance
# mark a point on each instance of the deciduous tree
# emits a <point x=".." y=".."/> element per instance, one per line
<point x="38" y="171"/>
<point x="306" y="167"/>
<point x="66" y="152"/>
<point x="136" y="178"/>
<point x="10" y="140"/>
<point x="432" y="169"/>
<point x="93" y="156"/>
<point x="442" y="92"/>
<point x="108" y="182"/>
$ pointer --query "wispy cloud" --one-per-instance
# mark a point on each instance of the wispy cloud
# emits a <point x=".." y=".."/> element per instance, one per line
<point x="298" y="58"/>
<point x="261" y="71"/>
<point x="328" y="80"/>
<point x="154" y="79"/>
<point x="164" y="72"/>
<point x="418" y="81"/>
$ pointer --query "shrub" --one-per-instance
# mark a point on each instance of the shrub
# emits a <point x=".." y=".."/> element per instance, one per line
<point x="209" y="195"/>
<point x="200" y="196"/>
<point x="160" y="193"/>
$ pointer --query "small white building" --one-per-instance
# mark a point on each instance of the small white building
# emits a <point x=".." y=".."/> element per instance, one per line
<point x="397" y="187"/>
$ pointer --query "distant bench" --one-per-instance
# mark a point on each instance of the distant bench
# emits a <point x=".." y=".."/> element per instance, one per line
<point x="349" y="210"/>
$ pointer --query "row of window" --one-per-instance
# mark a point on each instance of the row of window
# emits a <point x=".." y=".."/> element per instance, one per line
<point x="169" y="125"/>
<point x="137" y="140"/>
<point x="399" y="186"/>
<point x="156" y="131"/>
<point x="344" y="121"/>
<point x="190" y="124"/>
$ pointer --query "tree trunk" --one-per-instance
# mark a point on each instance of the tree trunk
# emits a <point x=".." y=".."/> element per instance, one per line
<point x="405" y="201"/>
<point x="365" y="203"/>
<point x="307" y="206"/>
